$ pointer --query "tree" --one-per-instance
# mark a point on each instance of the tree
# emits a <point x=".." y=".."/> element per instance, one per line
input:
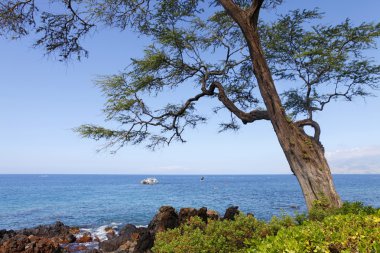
<point x="323" y="63"/>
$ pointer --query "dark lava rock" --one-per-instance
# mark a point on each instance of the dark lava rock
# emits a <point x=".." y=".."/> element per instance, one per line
<point x="70" y="238"/>
<point x="166" y="218"/>
<point x="145" y="242"/>
<point x="113" y="244"/>
<point x="29" y="244"/>
<point x="6" y="234"/>
<point x="127" y="229"/>
<point x="86" y="237"/>
<point x="139" y="240"/>
<point x="186" y="213"/>
<point x="127" y="233"/>
<point x="212" y="215"/>
<point x="56" y="230"/>
<point x="15" y="244"/>
<point x="202" y="213"/>
<point x="231" y="212"/>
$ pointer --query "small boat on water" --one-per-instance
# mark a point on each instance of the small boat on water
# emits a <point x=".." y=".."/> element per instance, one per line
<point x="149" y="180"/>
<point x="202" y="178"/>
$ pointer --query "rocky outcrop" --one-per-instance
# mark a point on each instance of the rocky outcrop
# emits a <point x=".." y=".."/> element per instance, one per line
<point x="202" y="213"/>
<point x="145" y="242"/>
<point x="30" y="244"/>
<point x="166" y="218"/>
<point x="231" y="212"/>
<point x="86" y="237"/>
<point x="41" y="239"/>
<point x="6" y="234"/>
<point x="140" y="240"/>
<point x="186" y="213"/>
<point x="212" y="215"/>
<point x="70" y="238"/>
<point x="56" y="230"/>
<point x="59" y="238"/>
<point x="127" y="233"/>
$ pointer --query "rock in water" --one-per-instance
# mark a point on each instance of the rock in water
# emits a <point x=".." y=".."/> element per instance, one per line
<point x="86" y="237"/>
<point x="126" y="234"/>
<point x="70" y="238"/>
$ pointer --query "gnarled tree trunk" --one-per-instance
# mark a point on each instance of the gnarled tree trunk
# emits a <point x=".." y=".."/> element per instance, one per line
<point x="306" y="159"/>
<point x="304" y="153"/>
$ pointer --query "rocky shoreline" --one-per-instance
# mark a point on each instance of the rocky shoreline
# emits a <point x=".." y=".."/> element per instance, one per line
<point x="59" y="238"/>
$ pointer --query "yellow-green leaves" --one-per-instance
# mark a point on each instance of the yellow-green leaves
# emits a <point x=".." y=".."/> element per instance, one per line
<point x="353" y="228"/>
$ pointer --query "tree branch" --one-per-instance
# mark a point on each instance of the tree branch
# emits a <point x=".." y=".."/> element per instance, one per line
<point x="245" y="117"/>
<point x="70" y="7"/>
<point x="313" y="124"/>
<point x="254" y="11"/>
<point x="232" y="9"/>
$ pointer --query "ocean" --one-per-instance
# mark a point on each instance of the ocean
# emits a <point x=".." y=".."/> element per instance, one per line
<point x="92" y="201"/>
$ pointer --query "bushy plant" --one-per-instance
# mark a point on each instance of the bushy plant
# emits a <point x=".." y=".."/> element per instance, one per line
<point x="217" y="236"/>
<point x="352" y="228"/>
<point x="337" y="233"/>
<point x="321" y="209"/>
<point x="356" y="208"/>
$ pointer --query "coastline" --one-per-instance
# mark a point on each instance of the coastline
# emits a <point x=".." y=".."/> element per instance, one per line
<point x="59" y="237"/>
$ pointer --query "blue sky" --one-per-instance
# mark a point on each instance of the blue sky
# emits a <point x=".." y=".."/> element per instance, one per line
<point x="41" y="100"/>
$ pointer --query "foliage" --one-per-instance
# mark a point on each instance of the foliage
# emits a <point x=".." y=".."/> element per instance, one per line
<point x="321" y="210"/>
<point x="337" y="233"/>
<point x="352" y="228"/>
<point x="197" y="44"/>
<point x="328" y="61"/>
<point x="216" y="236"/>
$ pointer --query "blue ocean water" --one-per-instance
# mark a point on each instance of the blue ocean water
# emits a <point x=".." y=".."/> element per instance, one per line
<point x="96" y="200"/>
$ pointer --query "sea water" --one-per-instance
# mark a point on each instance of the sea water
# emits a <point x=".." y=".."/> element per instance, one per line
<point x="93" y="201"/>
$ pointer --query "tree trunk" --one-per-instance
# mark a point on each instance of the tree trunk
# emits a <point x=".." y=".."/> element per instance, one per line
<point x="304" y="154"/>
<point x="308" y="163"/>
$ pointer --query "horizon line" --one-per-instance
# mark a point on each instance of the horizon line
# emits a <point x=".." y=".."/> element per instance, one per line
<point x="173" y="174"/>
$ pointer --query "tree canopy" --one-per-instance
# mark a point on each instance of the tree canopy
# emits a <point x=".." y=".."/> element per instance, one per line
<point x="322" y="62"/>
<point x="198" y="43"/>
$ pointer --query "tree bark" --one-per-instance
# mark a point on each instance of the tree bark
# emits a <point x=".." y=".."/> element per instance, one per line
<point x="305" y="154"/>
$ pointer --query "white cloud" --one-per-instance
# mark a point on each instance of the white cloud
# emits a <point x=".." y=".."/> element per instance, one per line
<point x="355" y="160"/>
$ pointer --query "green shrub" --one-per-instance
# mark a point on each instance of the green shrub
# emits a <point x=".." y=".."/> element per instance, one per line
<point x="352" y="228"/>
<point x="356" y="208"/>
<point x="337" y="233"/>
<point x="218" y="236"/>
<point x="321" y="209"/>
<point x="277" y="223"/>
